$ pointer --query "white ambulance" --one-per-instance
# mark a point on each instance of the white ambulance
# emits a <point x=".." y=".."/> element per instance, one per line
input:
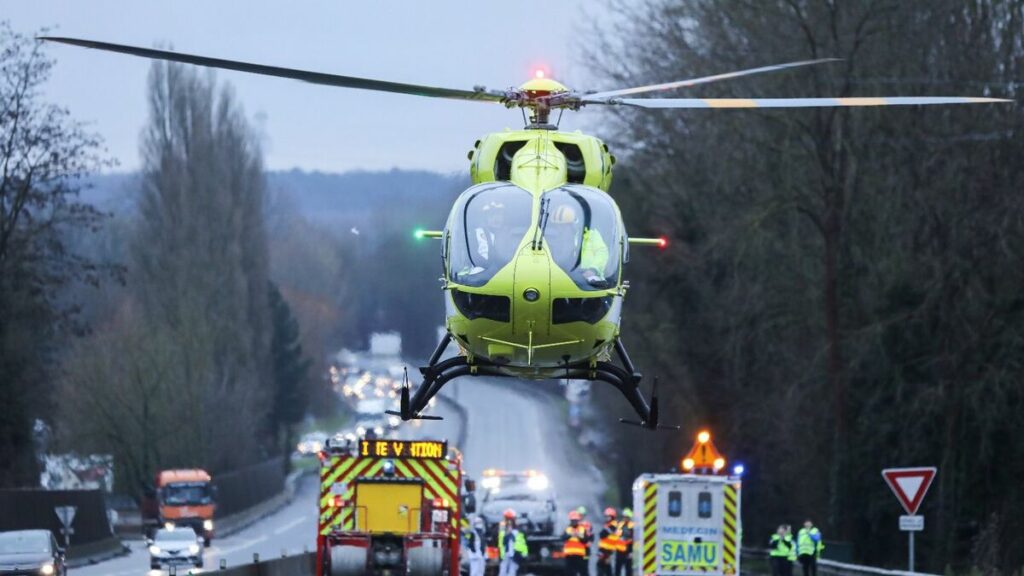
<point x="686" y="524"/>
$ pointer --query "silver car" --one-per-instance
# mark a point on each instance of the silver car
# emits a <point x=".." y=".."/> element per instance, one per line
<point x="175" y="546"/>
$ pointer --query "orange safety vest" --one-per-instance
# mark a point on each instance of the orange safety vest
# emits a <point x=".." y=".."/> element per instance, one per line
<point x="574" y="545"/>
<point x="625" y="542"/>
<point x="611" y="542"/>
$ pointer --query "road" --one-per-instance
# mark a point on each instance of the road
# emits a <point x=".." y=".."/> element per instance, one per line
<point x="519" y="426"/>
<point x="290" y="529"/>
<point x="510" y="427"/>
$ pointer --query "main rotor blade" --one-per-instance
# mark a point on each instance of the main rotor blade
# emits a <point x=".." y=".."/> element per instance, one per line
<point x="794" y="102"/>
<point x="704" y="79"/>
<point x="306" y="76"/>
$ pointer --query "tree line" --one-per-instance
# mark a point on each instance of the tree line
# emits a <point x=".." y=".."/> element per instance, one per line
<point x="186" y="354"/>
<point x="842" y="288"/>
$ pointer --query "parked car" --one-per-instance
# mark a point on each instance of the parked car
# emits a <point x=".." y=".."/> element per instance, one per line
<point x="31" y="552"/>
<point x="179" y="545"/>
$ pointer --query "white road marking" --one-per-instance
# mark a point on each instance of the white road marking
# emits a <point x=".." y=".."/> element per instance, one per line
<point x="291" y="525"/>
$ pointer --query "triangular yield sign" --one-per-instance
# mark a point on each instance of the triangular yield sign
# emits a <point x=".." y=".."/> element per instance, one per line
<point x="909" y="485"/>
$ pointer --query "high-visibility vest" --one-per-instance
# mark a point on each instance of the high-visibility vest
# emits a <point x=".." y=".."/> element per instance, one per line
<point x="518" y="543"/>
<point x="625" y="535"/>
<point x="609" y="537"/>
<point x="588" y="536"/>
<point x="809" y="542"/>
<point x="779" y="547"/>
<point x="574" y="542"/>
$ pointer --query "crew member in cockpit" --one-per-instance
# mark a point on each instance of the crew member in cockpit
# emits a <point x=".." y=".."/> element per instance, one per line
<point x="567" y="242"/>
<point x="488" y="234"/>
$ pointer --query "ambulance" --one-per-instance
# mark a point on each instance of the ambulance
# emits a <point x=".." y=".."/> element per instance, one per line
<point x="689" y="523"/>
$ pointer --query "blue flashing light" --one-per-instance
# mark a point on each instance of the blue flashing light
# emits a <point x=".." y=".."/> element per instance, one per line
<point x="738" y="470"/>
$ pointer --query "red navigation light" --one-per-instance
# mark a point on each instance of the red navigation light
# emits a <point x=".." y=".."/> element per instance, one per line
<point x="662" y="242"/>
<point x="539" y="73"/>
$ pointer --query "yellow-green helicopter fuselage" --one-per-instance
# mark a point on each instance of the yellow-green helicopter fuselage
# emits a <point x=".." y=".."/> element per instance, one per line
<point x="538" y="286"/>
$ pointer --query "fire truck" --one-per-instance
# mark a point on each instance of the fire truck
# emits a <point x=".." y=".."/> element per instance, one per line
<point x="391" y="507"/>
<point x="689" y="524"/>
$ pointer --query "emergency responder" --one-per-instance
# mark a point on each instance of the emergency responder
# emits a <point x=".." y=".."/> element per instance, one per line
<point x="574" y="245"/>
<point x="476" y="547"/>
<point x="574" y="547"/>
<point x="779" y="547"/>
<point x="512" y="547"/>
<point x="809" y="547"/>
<point x="624" y="553"/>
<point x="608" y="542"/>
<point x="589" y="529"/>
<point x="792" y="551"/>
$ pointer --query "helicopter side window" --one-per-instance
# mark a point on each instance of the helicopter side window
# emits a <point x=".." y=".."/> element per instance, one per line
<point x="487" y="226"/>
<point x="581" y="233"/>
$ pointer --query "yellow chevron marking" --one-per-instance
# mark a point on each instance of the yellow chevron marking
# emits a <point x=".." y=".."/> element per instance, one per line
<point x="325" y="483"/>
<point x="350" y="472"/>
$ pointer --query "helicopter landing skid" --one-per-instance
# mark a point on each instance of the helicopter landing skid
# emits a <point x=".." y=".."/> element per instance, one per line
<point x="438" y="373"/>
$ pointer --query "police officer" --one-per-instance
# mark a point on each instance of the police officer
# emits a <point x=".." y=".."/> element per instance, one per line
<point x="779" y="548"/>
<point x="574" y="547"/>
<point x="476" y="547"/>
<point x="809" y="546"/>
<point x="608" y="542"/>
<point x="624" y="553"/>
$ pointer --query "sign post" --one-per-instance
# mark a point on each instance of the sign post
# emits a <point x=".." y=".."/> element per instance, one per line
<point x="66" y="515"/>
<point x="910" y="485"/>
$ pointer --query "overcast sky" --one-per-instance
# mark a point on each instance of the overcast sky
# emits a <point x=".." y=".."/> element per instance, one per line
<point x="454" y="44"/>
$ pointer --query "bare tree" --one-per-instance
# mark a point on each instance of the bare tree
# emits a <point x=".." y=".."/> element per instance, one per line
<point x="44" y="156"/>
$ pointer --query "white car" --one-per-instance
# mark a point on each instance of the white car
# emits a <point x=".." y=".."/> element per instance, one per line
<point x="371" y="428"/>
<point x="175" y="546"/>
<point x="311" y="443"/>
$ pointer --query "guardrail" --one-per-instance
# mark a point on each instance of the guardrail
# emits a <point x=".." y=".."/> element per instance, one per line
<point x="833" y="568"/>
<point x="298" y="565"/>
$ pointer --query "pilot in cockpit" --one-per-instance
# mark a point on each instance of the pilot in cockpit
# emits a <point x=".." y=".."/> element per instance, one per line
<point x="490" y="236"/>
<point x="574" y="247"/>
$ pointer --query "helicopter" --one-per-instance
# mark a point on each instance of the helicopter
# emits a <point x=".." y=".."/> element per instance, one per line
<point x="533" y="251"/>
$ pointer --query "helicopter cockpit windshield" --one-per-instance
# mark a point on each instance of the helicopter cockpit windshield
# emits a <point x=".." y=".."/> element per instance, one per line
<point x="581" y="232"/>
<point x="486" y="227"/>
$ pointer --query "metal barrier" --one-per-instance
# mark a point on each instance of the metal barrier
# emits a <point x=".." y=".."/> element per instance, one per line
<point x="243" y="488"/>
<point x="299" y="565"/>
<point x="833" y="568"/>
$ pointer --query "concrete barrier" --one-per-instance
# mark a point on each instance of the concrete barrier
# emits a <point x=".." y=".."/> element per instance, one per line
<point x="298" y="565"/>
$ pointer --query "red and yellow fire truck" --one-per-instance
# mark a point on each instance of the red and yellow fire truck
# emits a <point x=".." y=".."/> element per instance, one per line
<point x="390" y="507"/>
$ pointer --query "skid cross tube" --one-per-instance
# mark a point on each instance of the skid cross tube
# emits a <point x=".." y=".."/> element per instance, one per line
<point x="439" y="372"/>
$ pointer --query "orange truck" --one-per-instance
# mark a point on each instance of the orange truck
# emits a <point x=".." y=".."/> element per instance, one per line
<point x="181" y="498"/>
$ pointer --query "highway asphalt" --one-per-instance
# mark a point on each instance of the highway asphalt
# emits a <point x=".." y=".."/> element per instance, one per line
<point x="510" y="426"/>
